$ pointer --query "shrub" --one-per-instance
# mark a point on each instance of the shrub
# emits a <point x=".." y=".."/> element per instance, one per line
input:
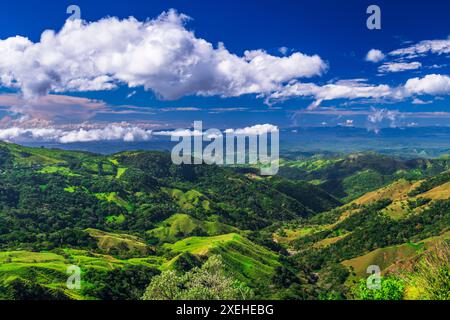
<point x="210" y="282"/>
<point x="432" y="274"/>
<point x="392" y="288"/>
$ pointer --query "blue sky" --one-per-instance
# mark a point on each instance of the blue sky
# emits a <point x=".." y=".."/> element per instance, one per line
<point x="343" y="87"/>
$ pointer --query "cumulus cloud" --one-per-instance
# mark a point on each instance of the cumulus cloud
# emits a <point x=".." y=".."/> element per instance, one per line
<point x="160" y="55"/>
<point x="399" y="66"/>
<point x="111" y="132"/>
<point x="432" y="84"/>
<point x="255" y="130"/>
<point x="127" y="134"/>
<point x="375" y="55"/>
<point x="423" y="48"/>
<point x="14" y="133"/>
<point x="114" y="132"/>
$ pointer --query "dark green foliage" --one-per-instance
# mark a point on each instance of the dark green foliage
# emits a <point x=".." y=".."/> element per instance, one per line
<point x="415" y="203"/>
<point x="20" y="289"/>
<point x="186" y="261"/>
<point x="309" y="195"/>
<point x="118" y="284"/>
<point x="431" y="183"/>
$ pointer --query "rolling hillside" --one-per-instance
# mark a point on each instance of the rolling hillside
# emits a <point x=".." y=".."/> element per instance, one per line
<point x="387" y="227"/>
<point x="127" y="217"/>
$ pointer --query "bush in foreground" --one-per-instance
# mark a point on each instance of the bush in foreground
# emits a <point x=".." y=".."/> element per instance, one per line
<point x="210" y="282"/>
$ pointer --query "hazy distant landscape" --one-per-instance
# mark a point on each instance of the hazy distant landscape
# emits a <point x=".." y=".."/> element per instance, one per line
<point x="423" y="142"/>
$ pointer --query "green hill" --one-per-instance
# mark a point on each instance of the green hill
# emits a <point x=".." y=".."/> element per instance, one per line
<point x="244" y="259"/>
<point x="390" y="256"/>
<point x="180" y="226"/>
<point x="43" y="275"/>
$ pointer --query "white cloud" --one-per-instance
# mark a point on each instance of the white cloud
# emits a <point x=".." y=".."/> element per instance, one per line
<point x="179" y="133"/>
<point x="255" y="130"/>
<point x="424" y="47"/>
<point x="283" y="50"/>
<point x="258" y="129"/>
<point x="127" y="134"/>
<point x="170" y="109"/>
<point x="111" y="132"/>
<point x="13" y="133"/>
<point x="432" y="84"/>
<point x="132" y="93"/>
<point x="420" y="101"/>
<point x="340" y="90"/>
<point x="160" y="55"/>
<point x="399" y="66"/>
<point x="378" y="116"/>
<point x="349" y="123"/>
<point x="374" y="56"/>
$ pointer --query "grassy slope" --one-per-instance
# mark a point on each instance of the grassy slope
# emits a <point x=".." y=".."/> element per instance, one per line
<point x="120" y="242"/>
<point x="397" y="192"/>
<point x="182" y="225"/>
<point x="247" y="260"/>
<point x="386" y="257"/>
<point x="49" y="269"/>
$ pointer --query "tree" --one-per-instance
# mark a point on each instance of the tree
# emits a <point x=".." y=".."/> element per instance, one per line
<point x="210" y="282"/>
<point x="166" y="286"/>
